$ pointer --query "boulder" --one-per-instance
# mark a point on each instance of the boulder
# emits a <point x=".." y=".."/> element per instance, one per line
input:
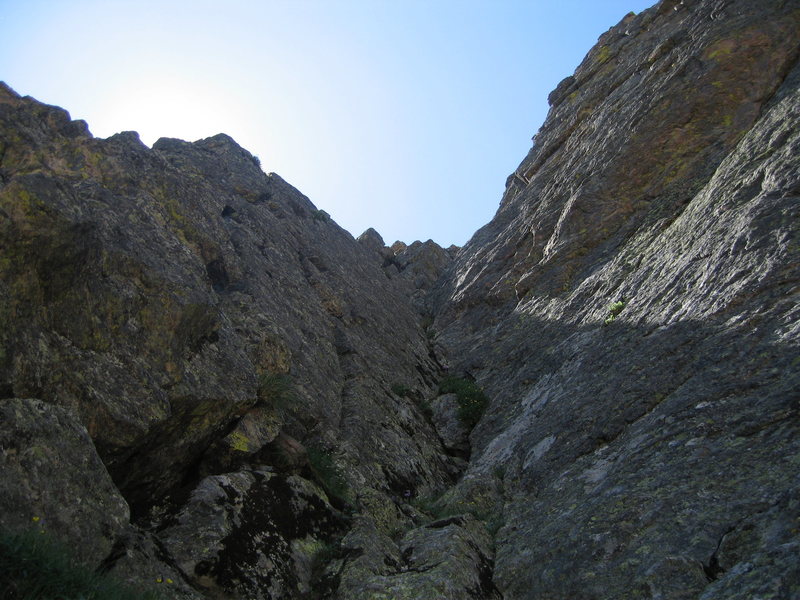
<point x="252" y="534"/>
<point x="451" y="429"/>
<point x="52" y="480"/>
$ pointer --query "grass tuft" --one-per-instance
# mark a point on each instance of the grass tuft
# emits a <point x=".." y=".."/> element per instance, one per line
<point x="613" y="311"/>
<point x="401" y="390"/>
<point x="276" y="390"/>
<point x="33" y="566"/>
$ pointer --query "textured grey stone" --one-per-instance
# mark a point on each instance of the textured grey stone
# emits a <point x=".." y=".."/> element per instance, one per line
<point x="449" y="559"/>
<point x="635" y="452"/>
<point x="454" y="434"/>
<point x="140" y="561"/>
<point x="52" y="479"/>
<point x="150" y="289"/>
<point x="251" y="534"/>
<point x="648" y="450"/>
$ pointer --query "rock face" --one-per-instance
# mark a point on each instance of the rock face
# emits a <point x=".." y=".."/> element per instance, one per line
<point x="199" y="318"/>
<point x="235" y="525"/>
<point x="632" y="311"/>
<point x="418" y="266"/>
<point x="203" y="345"/>
<point x="54" y="481"/>
<point x="449" y="559"/>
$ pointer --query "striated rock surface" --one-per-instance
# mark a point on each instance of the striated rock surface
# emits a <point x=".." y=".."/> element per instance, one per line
<point x="148" y="290"/>
<point x="632" y="310"/>
<point x="203" y="345"/>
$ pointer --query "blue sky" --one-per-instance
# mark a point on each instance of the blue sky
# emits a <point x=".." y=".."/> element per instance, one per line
<point x="404" y="115"/>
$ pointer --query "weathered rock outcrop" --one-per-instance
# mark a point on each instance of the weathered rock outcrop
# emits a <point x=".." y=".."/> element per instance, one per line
<point x="199" y="317"/>
<point x="198" y="342"/>
<point x="418" y="266"/>
<point x="632" y="310"/>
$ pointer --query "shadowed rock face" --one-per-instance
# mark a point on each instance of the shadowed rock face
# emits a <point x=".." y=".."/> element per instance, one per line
<point x="159" y="295"/>
<point x="147" y="290"/>
<point x="262" y="389"/>
<point x="48" y="461"/>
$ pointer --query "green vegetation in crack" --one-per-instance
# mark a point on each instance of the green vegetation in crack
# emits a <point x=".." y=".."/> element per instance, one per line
<point x="614" y="309"/>
<point x="401" y="390"/>
<point x="320" y="215"/>
<point x="276" y="391"/>
<point x="329" y="476"/>
<point x="472" y="402"/>
<point x="34" y="566"/>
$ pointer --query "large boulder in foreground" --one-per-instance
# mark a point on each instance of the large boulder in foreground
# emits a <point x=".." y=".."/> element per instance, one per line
<point x="252" y="534"/>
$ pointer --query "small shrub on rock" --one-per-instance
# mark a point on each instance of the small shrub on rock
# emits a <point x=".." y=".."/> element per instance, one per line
<point x="320" y="215"/>
<point x="401" y="390"/>
<point x="472" y="402"/>
<point x="613" y="311"/>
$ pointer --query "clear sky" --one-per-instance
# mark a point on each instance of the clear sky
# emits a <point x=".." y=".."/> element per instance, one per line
<point x="402" y="115"/>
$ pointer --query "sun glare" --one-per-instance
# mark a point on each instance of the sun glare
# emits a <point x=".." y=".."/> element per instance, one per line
<point x="167" y="108"/>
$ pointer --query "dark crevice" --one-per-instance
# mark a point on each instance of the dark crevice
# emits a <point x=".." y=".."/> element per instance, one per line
<point x="406" y="566"/>
<point x="712" y="568"/>
<point x="3" y="178"/>
<point x="118" y="550"/>
<point x="486" y="588"/>
<point x="441" y="523"/>
<point x="325" y="580"/>
<point x="398" y="485"/>
<point x="218" y="275"/>
<point x="167" y="501"/>
<point x="456" y="453"/>
<point x="194" y="472"/>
